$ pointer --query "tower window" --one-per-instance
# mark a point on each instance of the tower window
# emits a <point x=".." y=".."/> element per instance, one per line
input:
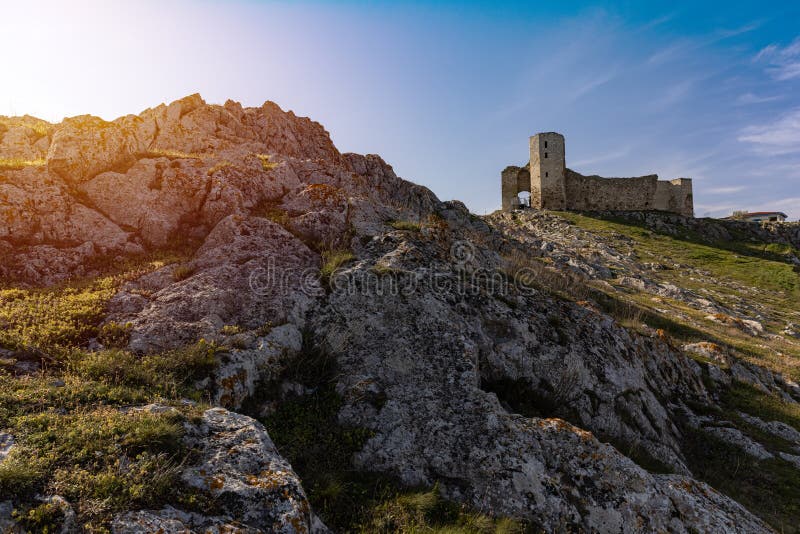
<point x="545" y="144"/>
<point x="545" y="155"/>
<point x="547" y="174"/>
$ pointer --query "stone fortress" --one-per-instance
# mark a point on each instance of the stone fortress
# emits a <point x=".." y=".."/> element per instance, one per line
<point x="553" y="186"/>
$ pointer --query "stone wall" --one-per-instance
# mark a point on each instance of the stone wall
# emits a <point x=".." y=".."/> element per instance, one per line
<point x="515" y="180"/>
<point x="643" y="193"/>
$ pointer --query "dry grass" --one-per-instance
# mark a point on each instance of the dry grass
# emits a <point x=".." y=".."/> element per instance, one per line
<point x="266" y="162"/>
<point x="16" y="164"/>
<point x="173" y="154"/>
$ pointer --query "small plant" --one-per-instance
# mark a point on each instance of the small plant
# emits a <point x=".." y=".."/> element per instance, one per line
<point x="44" y="518"/>
<point x="115" y="335"/>
<point x="266" y="164"/>
<point x="405" y="225"/>
<point x="231" y="330"/>
<point x="182" y="272"/>
<point x="332" y="260"/>
<point x="277" y="215"/>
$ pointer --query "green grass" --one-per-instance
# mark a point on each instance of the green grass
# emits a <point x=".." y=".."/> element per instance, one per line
<point x="78" y="455"/>
<point x="769" y="488"/>
<point x="405" y="225"/>
<point x="332" y="261"/>
<point x="72" y="437"/>
<point x="733" y="271"/>
<point x="746" y="398"/>
<point x="757" y="265"/>
<point x="53" y="318"/>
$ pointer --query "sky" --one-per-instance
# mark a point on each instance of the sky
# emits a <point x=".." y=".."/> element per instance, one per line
<point x="449" y="92"/>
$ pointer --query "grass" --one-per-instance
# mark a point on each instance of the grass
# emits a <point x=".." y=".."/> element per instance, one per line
<point x="405" y="225"/>
<point x="731" y="272"/>
<point x="763" y="265"/>
<point x="39" y="127"/>
<point x="219" y="166"/>
<point x="16" y="164"/>
<point x="182" y="272"/>
<point x="54" y="318"/>
<point x="98" y="458"/>
<point x="277" y="215"/>
<point x="72" y="437"/>
<point x="769" y="488"/>
<point x="332" y="261"/>
<point x="746" y="398"/>
<point x="427" y="511"/>
<point x="173" y="154"/>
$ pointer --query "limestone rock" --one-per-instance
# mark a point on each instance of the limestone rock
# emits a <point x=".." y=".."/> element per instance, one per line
<point x="241" y="468"/>
<point x="85" y="146"/>
<point x="249" y="272"/>
<point x="241" y="370"/>
<point x="6" y="445"/>
<point x="153" y="196"/>
<point x="171" y="520"/>
<point x="25" y="138"/>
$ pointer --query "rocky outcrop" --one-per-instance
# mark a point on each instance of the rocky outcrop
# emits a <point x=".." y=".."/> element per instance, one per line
<point x="464" y="374"/>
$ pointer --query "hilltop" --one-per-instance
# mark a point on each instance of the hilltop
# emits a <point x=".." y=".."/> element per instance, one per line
<point x="213" y="319"/>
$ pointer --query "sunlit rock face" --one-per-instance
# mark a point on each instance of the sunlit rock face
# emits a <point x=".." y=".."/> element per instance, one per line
<point x="263" y="201"/>
<point x="88" y="187"/>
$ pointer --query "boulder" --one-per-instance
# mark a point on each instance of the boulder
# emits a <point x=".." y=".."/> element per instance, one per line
<point x="241" y="468"/>
<point x="83" y="147"/>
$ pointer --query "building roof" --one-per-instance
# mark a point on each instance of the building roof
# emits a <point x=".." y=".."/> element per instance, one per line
<point x="757" y="213"/>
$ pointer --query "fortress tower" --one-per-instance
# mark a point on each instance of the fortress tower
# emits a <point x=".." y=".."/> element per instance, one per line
<point x="547" y="167"/>
<point x="553" y="186"/>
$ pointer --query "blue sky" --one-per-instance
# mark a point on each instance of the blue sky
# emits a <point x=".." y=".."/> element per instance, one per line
<point x="448" y="92"/>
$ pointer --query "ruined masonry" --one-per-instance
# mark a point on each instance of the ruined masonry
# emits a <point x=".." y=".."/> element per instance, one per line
<point x="555" y="187"/>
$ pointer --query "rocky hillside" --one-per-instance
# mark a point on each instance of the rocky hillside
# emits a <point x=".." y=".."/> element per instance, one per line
<point x="213" y="320"/>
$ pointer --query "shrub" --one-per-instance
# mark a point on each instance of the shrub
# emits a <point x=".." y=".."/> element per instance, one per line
<point x="45" y="518"/>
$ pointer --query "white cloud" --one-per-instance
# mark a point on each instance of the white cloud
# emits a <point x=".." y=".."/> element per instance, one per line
<point x="781" y="136"/>
<point x="750" y="98"/>
<point x="726" y="190"/>
<point x="783" y="63"/>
